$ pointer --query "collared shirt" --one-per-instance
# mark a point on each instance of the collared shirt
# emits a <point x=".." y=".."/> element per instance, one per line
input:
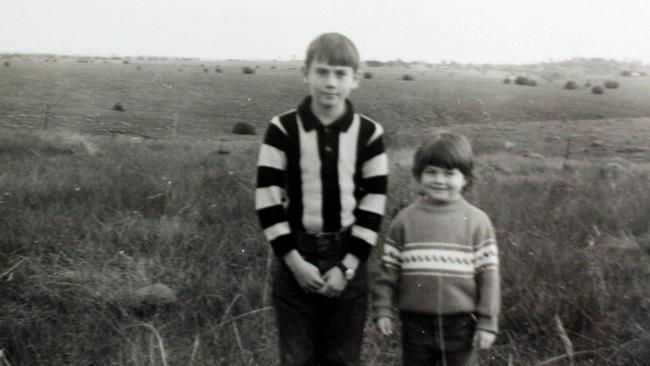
<point x="316" y="178"/>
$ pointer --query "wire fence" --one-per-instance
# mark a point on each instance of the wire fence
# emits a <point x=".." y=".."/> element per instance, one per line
<point x="115" y="120"/>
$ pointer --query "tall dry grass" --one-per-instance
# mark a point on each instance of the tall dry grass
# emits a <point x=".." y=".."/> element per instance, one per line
<point x="85" y="220"/>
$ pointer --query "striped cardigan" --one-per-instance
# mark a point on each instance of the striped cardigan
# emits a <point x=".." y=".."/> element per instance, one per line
<point x="312" y="178"/>
<point x="439" y="260"/>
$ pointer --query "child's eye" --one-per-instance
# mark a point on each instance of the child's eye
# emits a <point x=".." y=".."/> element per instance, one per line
<point x="340" y="74"/>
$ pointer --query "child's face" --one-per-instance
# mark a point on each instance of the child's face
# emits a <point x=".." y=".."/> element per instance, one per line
<point x="441" y="185"/>
<point x="329" y="85"/>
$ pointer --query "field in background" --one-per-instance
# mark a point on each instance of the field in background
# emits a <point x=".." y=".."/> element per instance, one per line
<point x="104" y="203"/>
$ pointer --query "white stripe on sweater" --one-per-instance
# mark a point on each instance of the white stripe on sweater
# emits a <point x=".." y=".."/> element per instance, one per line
<point x="268" y="196"/>
<point x="376" y="166"/>
<point x="346" y="168"/>
<point x="375" y="203"/>
<point x="272" y="157"/>
<point x="279" y="229"/>
<point x="312" y="185"/>
<point x="366" y="235"/>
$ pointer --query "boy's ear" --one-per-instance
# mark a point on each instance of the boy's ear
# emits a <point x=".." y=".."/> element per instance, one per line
<point x="357" y="78"/>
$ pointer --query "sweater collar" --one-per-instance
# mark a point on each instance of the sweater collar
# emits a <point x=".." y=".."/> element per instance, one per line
<point x="425" y="205"/>
<point x="310" y="121"/>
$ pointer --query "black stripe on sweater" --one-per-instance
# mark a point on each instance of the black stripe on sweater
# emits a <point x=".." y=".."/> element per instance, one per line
<point x="328" y="151"/>
<point x="267" y="177"/>
<point x="294" y="182"/>
<point x="270" y="216"/>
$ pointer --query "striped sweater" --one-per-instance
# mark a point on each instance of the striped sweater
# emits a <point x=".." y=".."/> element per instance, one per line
<point x="312" y="178"/>
<point x="440" y="259"/>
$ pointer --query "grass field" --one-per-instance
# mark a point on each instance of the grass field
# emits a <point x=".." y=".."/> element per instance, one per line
<point x="103" y="203"/>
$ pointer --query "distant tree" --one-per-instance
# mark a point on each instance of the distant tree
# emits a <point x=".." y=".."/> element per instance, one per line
<point x="522" y="80"/>
<point x="242" y="128"/>
<point x="597" y="89"/>
<point x="571" y="85"/>
<point x="611" y="84"/>
<point x="7" y="63"/>
<point x="367" y="75"/>
<point x="218" y="70"/>
<point x="374" y="63"/>
<point x="118" y="107"/>
<point x="408" y="77"/>
<point x="626" y="73"/>
<point x="248" y="70"/>
<point x="125" y="62"/>
<point x="506" y="81"/>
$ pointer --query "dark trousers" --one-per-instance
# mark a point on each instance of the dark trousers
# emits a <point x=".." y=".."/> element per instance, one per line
<point x="430" y="340"/>
<point x="313" y="329"/>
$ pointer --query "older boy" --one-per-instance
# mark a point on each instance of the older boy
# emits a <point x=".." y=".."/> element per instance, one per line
<point x="320" y="197"/>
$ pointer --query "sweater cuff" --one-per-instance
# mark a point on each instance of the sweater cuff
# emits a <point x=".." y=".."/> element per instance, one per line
<point x="358" y="247"/>
<point x="488" y="324"/>
<point x="284" y="244"/>
<point x="384" y="312"/>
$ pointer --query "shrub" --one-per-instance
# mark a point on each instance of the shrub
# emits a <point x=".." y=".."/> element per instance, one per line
<point x="242" y="128"/>
<point x="118" y="107"/>
<point x="273" y="67"/>
<point x="7" y="63"/>
<point x="522" y="80"/>
<point x="408" y="77"/>
<point x="571" y="85"/>
<point x="248" y="70"/>
<point x="626" y="73"/>
<point x="218" y="70"/>
<point x="587" y="84"/>
<point x="205" y="69"/>
<point x="611" y="84"/>
<point x="125" y="62"/>
<point x="597" y="89"/>
<point x="138" y="67"/>
<point x="506" y="81"/>
<point x="367" y="75"/>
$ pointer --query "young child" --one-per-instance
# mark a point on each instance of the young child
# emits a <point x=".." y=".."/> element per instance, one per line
<point x="320" y="197"/>
<point x="440" y="263"/>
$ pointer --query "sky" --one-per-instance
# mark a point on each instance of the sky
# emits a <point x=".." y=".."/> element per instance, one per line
<point x="476" y="31"/>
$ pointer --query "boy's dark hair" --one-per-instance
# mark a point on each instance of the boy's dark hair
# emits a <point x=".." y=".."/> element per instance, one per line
<point x="447" y="150"/>
<point x="333" y="48"/>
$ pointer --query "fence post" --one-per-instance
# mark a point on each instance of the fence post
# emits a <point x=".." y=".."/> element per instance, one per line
<point x="47" y="116"/>
<point x="175" y="126"/>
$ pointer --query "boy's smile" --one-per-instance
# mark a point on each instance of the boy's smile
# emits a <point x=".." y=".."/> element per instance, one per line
<point x="441" y="185"/>
<point x="330" y="86"/>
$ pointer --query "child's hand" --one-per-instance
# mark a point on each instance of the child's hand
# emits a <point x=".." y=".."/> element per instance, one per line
<point x="335" y="283"/>
<point x="385" y="326"/>
<point x="307" y="274"/>
<point x="484" y="339"/>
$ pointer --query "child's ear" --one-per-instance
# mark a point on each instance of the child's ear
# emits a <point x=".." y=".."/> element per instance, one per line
<point x="356" y="76"/>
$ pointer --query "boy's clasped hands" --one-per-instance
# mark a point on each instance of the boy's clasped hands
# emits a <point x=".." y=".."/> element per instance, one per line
<point x="330" y="284"/>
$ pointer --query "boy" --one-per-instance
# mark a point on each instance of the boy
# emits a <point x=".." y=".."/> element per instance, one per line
<point x="440" y="263"/>
<point x="320" y="197"/>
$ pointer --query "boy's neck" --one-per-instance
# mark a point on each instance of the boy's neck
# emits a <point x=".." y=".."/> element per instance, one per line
<point x="327" y="116"/>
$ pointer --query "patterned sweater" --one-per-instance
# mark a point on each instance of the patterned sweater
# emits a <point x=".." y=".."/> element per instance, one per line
<point x="440" y="259"/>
<point x="312" y="178"/>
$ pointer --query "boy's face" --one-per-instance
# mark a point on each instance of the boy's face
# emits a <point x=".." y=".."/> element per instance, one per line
<point x="329" y="85"/>
<point x="441" y="185"/>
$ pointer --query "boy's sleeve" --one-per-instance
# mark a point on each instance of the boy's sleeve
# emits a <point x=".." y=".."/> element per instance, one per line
<point x="372" y="202"/>
<point x="390" y="268"/>
<point x="270" y="193"/>
<point x="486" y="259"/>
